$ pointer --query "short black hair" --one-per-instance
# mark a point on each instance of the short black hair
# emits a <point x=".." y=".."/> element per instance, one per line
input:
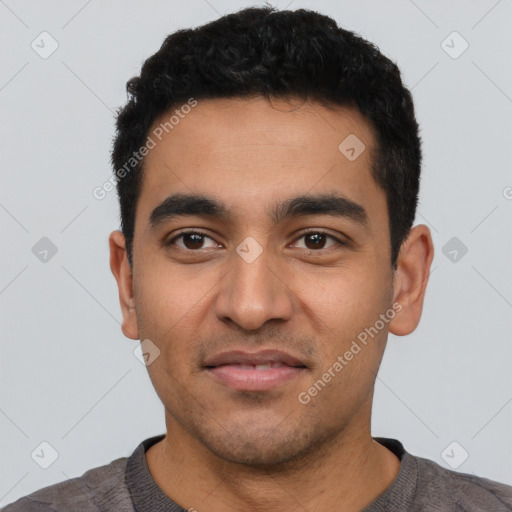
<point x="261" y="51"/>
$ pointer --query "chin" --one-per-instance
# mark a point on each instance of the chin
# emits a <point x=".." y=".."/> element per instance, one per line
<point x="267" y="448"/>
<point x="255" y="454"/>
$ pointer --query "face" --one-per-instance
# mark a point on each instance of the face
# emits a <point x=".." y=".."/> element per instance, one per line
<point x="284" y="247"/>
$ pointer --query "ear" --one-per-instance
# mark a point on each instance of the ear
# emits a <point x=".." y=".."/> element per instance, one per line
<point x="411" y="278"/>
<point x="120" y="267"/>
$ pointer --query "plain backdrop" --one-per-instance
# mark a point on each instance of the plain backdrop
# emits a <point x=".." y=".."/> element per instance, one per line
<point x="70" y="378"/>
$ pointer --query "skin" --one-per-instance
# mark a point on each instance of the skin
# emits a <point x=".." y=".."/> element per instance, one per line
<point x="228" y="450"/>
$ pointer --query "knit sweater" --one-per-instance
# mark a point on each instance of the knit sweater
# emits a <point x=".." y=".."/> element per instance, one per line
<point x="126" y="485"/>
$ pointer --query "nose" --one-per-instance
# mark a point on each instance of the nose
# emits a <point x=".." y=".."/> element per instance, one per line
<point x="253" y="293"/>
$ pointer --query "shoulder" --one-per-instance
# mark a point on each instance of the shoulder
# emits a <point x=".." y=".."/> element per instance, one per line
<point x="437" y="486"/>
<point x="100" y="488"/>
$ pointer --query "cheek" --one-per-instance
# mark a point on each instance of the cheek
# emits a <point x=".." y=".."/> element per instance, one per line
<point x="343" y="308"/>
<point x="344" y="298"/>
<point x="171" y="306"/>
<point x="169" y="297"/>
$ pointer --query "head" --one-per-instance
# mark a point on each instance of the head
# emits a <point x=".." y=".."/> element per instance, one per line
<point x="290" y="146"/>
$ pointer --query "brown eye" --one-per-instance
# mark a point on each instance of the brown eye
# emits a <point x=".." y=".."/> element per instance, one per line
<point x="317" y="240"/>
<point x="191" y="240"/>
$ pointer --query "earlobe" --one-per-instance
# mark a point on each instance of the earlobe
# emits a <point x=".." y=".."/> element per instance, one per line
<point x="120" y="267"/>
<point x="411" y="278"/>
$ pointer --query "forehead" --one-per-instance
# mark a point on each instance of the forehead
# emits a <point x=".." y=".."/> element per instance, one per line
<point x="249" y="153"/>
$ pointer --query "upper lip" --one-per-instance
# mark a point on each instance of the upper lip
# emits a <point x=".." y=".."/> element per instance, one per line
<point x="260" y="357"/>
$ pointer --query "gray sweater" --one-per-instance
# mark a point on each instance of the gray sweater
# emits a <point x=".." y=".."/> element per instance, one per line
<point x="126" y="485"/>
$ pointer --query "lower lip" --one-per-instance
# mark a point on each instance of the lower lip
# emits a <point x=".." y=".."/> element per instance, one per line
<point x="254" y="380"/>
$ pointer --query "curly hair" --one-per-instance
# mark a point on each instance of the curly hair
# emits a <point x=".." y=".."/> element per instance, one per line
<point x="270" y="53"/>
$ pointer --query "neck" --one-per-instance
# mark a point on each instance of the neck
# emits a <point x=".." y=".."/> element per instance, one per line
<point x="347" y="474"/>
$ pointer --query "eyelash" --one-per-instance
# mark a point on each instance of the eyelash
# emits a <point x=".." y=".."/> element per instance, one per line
<point x="310" y="232"/>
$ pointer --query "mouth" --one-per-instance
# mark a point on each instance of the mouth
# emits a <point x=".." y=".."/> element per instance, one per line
<point x="259" y="371"/>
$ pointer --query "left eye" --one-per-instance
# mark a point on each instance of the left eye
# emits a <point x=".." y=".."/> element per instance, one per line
<point x="315" y="240"/>
<point x="194" y="240"/>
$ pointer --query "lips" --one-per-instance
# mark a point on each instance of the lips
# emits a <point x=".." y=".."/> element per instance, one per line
<point x="262" y="366"/>
<point x="260" y="360"/>
<point x="259" y="371"/>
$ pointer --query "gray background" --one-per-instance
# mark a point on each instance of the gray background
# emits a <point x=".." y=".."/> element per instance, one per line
<point x="68" y="375"/>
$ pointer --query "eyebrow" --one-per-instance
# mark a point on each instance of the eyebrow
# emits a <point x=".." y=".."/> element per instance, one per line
<point x="179" y="205"/>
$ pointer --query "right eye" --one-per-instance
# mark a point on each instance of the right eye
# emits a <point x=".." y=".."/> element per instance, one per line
<point x="190" y="240"/>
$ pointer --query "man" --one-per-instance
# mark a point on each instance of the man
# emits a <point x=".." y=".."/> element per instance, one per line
<point x="268" y="168"/>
